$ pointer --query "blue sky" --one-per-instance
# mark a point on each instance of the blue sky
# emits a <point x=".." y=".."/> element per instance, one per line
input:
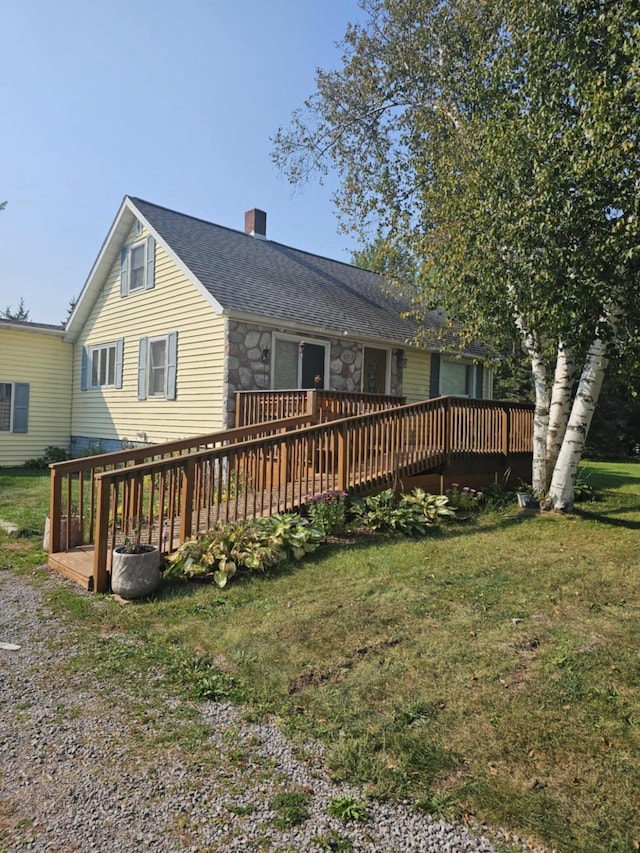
<point x="171" y="102"/>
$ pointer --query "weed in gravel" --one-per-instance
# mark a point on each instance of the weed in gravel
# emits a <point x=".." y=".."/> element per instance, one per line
<point x="291" y="807"/>
<point x="349" y="809"/>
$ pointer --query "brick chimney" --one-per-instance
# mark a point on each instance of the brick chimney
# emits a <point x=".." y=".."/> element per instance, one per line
<point x="255" y="223"/>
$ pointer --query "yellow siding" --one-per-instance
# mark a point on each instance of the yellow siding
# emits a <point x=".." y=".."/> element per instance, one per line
<point x="44" y="361"/>
<point x="416" y="376"/>
<point x="173" y="305"/>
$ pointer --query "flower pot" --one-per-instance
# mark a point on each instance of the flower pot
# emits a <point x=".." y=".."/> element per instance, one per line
<point x="74" y="536"/>
<point x="526" y="500"/>
<point x="135" y="575"/>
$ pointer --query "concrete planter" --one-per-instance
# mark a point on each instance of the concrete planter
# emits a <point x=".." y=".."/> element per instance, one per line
<point x="74" y="537"/>
<point x="136" y="575"/>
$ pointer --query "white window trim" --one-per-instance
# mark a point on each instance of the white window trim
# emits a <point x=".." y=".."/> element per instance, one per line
<point x="148" y="246"/>
<point x="299" y="339"/>
<point x="150" y="342"/>
<point x="92" y="353"/>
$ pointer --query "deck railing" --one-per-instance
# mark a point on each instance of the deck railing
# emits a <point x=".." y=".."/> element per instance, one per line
<point x="254" y="407"/>
<point x="73" y="496"/>
<point x="165" y="497"/>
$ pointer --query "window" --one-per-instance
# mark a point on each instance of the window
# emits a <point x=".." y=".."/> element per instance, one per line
<point x="455" y="378"/>
<point x="299" y="364"/>
<point x="102" y="365"/>
<point x="157" y="363"/>
<point x="6" y="389"/>
<point x="137" y="266"/>
<point x="14" y="407"/>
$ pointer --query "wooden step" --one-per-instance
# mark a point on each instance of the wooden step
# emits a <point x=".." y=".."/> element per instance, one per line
<point x="77" y="565"/>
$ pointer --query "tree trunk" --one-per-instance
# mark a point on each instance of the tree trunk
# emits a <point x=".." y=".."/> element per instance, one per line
<point x="540" y="417"/>
<point x="559" y="409"/>
<point x="562" y="490"/>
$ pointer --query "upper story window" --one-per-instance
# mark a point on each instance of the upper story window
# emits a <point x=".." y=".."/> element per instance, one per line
<point x="137" y="266"/>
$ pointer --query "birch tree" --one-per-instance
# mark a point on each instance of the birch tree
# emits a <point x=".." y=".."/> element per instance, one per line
<point x="497" y="144"/>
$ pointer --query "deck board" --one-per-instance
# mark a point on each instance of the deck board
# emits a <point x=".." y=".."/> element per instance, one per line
<point x="77" y="565"/>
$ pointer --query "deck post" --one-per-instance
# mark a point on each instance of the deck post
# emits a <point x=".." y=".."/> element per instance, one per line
<point x="448" y="427"/>
<point x="55" y="510"/>
<point x="342" y="457"/>
<point x="505" y="430"/>
<point x="312" y="405"/>
<point x="101" y="544"/>
<point x="187" y="491"/>
<point x="238" y="421"/>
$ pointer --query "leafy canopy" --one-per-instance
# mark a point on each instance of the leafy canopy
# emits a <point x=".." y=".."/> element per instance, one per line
<point x="497" y="144"/>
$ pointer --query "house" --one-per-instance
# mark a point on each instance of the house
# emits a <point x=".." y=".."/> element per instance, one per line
<point x="35" y="390"/>
<point x="178" y="314"/>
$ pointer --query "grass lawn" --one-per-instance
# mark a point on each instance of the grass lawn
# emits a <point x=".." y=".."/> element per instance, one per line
<point x="491" y="670"/>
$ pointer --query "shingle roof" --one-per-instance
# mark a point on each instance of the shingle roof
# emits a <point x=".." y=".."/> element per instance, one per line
<point x="27" y="325"/>
<point x="252" y="275"/>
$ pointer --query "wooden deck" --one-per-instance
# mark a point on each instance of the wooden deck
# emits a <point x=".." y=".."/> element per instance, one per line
<point x="167" y="494"/>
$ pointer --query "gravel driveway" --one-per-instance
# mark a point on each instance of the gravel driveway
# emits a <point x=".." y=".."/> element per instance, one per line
<point x="90" y="765"/>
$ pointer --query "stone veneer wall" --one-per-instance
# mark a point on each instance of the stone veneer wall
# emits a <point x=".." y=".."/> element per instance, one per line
<point x="246" y="371"/>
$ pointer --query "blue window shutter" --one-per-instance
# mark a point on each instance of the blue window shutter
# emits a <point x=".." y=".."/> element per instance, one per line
<point x="124" y="271"/>
<point x="21" y="407"/>
<point x="119" y="354"/>
<point x="479" y="381"/>
<point x="172" y="360"/>
<point x="150" y="271"/>
<point x="84" y="372"/>
<point x="142" y="369"/>
<point x="434" y="385"/>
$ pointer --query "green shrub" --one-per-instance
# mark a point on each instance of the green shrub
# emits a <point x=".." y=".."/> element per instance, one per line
<point x="255" y="545"/>
<point x="464" y="498"/>
<point x="51" y="454"/>
<point x="410" y="515"/>
<point x="328" y="511"/>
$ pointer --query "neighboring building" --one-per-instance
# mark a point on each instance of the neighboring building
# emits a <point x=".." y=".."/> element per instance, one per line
<point x="35" y="390"/>
<point x="178" y="314"/>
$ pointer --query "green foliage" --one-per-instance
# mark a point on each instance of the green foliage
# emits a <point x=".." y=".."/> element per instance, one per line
<point x="584" y="489"/>
<point x="410" y="515"/>
<point x="464" y="498"/>
<point x="328" y="511"/>
<point x="20" y="313"/>
<point x="255" y="545"/>
<point x="497" y="145"/>
<point x="51" y="454"/>
<point x="349" y="809"/>
<point x="291" y="807"/>
<point x="333" y="841"/>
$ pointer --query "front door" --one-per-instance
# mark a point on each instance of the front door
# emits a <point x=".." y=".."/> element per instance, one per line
<point x="374" y="372"/>
<point x="313" y="366"/>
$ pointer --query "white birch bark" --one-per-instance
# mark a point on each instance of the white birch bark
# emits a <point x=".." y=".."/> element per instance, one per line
<point x="543" y="400"/>
<point x="563" y="482"/>
<point x="559" y="409"/>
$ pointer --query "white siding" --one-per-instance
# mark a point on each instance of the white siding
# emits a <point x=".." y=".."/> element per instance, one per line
<point x="43" y="361"/>
<point x="173" y="305"/>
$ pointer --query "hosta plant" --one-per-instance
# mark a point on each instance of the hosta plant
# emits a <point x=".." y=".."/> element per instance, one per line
<point x="254" y="545"/>
<point x="410" y="515"/>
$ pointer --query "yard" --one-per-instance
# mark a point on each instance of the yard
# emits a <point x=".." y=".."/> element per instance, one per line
<point x="490" y="670"/>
